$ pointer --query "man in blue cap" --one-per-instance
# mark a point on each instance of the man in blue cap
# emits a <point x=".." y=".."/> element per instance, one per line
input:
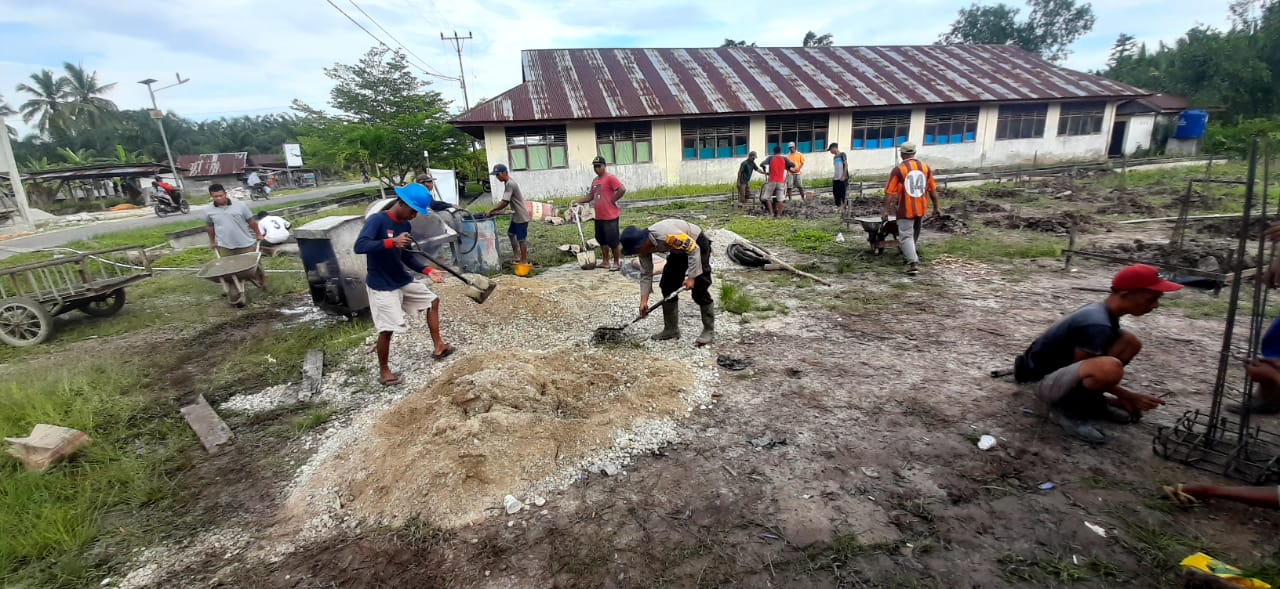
<point x="384" y="241"/>
<point x="518" y="231"/>
<point x="689" y="265"/>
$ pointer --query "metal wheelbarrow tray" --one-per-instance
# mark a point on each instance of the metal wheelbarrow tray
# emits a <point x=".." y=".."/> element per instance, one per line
<point x="878" y="232"/>
<point x="232" y="272"/>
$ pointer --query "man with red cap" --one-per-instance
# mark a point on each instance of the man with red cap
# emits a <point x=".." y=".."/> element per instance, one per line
<point x="1077" y="364"/>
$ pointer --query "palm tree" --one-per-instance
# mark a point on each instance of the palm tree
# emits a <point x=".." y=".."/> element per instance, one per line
<point x="48" y="95"/>
<point x="7" y="111"/>
<point x="85" y="94"/>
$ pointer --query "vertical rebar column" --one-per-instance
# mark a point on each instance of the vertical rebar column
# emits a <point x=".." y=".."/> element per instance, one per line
<point x="1233" y="305"/>
<point x="1258" y="315"/>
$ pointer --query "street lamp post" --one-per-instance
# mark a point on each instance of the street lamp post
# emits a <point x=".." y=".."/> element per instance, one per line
<point x="159" y="117"/>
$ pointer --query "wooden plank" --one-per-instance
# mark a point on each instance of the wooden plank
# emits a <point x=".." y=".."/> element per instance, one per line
<point x="312" y="374"/>
<point x="214" y="434"/>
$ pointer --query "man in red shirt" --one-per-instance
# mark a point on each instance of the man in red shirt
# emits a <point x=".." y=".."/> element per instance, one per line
<point x="909" y="183"/>
<point x="775" y="189"/>
<point x="606" y="191"/>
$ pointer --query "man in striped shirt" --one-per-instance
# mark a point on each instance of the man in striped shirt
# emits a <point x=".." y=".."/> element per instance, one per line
<point x="909" y="183"/>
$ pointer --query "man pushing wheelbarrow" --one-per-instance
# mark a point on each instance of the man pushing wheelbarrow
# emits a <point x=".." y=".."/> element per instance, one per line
<point x="234" y="236"/>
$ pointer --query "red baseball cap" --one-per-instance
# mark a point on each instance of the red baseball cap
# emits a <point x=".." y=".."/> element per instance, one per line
<point x="1142" y="277"/>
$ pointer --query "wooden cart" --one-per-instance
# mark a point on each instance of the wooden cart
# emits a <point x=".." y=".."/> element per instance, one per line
<point x="33" y="294"/>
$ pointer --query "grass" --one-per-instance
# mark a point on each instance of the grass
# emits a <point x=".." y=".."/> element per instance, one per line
<point x="806" y="236"/>
<point x="277" y="359"/>
<point x="990" y="248"/>
<point x="1059" y="567"/>
<point x="735" y="299"/>
<point x="50" y="517"/>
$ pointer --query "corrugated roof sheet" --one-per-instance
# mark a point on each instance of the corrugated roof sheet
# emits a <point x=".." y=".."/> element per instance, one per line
<point x="568" y="84"/>
<point x="213" y="164"/>
<point x="100" y="171"/>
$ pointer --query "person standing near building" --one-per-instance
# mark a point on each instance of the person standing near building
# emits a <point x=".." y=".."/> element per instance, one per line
<point x="518" y="231"/>
<point x="793" y="177"/>
<point x="840" y="177"/>
<point x="606" y="191"/>
<point x="232" y="229"/>
<point x="745" y="171"/>
<point x="692" y="270"/>
<point x="909" y="183"/>
<point x="776" y="168"/>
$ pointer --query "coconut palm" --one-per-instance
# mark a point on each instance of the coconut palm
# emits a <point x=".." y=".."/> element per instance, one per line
<point x="85" y="94"/>
<point x="47" y="104"/>
<point x="7" y="111"/>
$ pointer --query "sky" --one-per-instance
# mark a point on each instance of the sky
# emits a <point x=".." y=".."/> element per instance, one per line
<point x="252" y="57"/>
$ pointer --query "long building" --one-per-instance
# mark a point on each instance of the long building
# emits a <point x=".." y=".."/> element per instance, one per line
<point x="689" y="116"/>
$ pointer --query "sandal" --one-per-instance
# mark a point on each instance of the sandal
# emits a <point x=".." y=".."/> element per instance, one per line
<point x="448" y="350"/>
<point x="388" y="382"/>
<point x="1180" y="497"/>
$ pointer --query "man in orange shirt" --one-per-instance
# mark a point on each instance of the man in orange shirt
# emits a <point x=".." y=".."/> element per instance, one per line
<point x="908" y="185"/>
<point x="793" y="177"/>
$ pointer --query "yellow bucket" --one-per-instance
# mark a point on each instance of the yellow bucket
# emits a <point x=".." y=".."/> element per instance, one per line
<point x="523" y="269"/>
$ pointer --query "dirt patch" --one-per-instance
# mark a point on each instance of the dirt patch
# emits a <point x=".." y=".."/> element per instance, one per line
<point x="977" y="206"/>
<point x="1060" y="223"/>
<point x="946" y="224"/>
<point x="1211" y="255"/>
<point x="491" y="425"/>
<point x="1226" y="228"/>
<point x="1129" y="204"/>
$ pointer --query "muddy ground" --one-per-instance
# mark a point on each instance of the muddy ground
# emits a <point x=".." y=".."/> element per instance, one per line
<point x="843" y="456"/>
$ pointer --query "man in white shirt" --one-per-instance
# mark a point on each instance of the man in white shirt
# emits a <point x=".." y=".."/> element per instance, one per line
<point x="275" y="230"/>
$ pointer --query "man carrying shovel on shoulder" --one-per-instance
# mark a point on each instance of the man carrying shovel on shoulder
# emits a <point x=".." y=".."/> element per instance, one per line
<point x="385" y="241"/>
<point x="688" y="266"/>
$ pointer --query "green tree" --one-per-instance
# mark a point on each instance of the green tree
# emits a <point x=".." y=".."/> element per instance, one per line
<point x="85" y="95"/>
<point x="812" y="39"/>
<point x="387" y="118"/>
<point x="46" y="104"/>
<point x="732" y="43"/>
<point x="7" y="111"/>
<point x="1050" y="28"/>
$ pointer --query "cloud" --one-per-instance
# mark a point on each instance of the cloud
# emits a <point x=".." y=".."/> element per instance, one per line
<point x="254" y="56"/>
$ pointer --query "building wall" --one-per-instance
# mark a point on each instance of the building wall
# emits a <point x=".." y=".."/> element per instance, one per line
<point x="669" y="168"/>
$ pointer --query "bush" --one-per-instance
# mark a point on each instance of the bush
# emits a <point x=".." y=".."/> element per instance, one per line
<point x="1234" y="140"/>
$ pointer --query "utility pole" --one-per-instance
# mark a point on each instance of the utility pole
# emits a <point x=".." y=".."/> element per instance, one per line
<point x="462" y="76"/>
<point x="158" y="115"/>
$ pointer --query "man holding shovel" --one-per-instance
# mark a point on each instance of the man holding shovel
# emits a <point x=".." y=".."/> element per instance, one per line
<point x="384" y="241"/>
<point x="518" y="231"/>
<point x="689" y="265"/>
<point x="606" y="191"/>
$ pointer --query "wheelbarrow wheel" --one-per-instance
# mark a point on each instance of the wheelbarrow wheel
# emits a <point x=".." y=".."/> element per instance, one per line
<point x="105" y="305"/>
<point x="24" y="322"/>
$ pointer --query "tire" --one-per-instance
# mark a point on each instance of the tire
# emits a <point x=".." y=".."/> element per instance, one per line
<point x="486" y="186"/>
<point x="24" y="322"/>
<point x="105" y="306"/>
<point x="160" y="210"/>
<point x="184" y="207"/>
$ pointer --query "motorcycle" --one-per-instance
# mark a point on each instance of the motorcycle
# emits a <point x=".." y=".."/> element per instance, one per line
<point x="258" y="192"/>
<point x="163" y="205"/>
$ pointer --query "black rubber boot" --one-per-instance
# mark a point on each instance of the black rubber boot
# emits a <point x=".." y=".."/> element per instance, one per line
<point x="708" y="334"/>
<point x="670" y="322"/>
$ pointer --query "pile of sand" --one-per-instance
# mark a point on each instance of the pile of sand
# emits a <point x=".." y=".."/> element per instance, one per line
<point x="493" y="425"/>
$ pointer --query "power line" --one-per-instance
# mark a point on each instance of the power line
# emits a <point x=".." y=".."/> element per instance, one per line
<point x="421" y="61"/>
<point x="375" y="37"/>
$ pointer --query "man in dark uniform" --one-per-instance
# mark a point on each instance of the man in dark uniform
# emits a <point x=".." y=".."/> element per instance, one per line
<point x="689" y="265"/>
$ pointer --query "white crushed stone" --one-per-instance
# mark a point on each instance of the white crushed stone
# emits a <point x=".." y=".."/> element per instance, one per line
<point x="156" y="562"/>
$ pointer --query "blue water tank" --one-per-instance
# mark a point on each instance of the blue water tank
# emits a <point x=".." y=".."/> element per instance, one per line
<point x="1191" y="124"/>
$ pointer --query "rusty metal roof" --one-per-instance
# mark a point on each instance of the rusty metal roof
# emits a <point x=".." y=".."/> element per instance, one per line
<point x="570" y="84"/>
<point x="100" y="171"/>
<point x="213" y="164"/>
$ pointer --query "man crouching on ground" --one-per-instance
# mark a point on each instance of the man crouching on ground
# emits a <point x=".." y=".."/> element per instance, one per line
<point x="392" y="291"/>
<point x="1082" y="357"/>
<point x="692" y="270"/>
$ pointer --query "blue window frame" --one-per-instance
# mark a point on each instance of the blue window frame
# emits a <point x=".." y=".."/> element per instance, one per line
<point x="944" y="126"/>
<point x="880" y="130"/>
<point x="809" y="132"/>
<point x="705" y="139"/>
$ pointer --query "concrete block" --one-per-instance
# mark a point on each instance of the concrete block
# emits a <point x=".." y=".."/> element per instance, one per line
<point x="46" y="445"/>
<point x="312" y="373"/>
<point x="214" y="434"/>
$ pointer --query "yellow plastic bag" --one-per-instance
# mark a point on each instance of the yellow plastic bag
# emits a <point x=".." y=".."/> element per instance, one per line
<point x="1207" y="564"/>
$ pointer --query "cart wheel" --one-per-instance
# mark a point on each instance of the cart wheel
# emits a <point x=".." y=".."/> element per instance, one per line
<point x="106" y="305"/>
<point x="24" y="322"/>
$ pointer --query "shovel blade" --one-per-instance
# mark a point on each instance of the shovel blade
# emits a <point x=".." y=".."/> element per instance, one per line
<point x="587" y="260"/>
<point x="479" y="295"/>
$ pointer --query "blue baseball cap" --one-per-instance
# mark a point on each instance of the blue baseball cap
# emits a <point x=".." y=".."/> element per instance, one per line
<point x="417" y="196"/>
<point x="498" y="169"/>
